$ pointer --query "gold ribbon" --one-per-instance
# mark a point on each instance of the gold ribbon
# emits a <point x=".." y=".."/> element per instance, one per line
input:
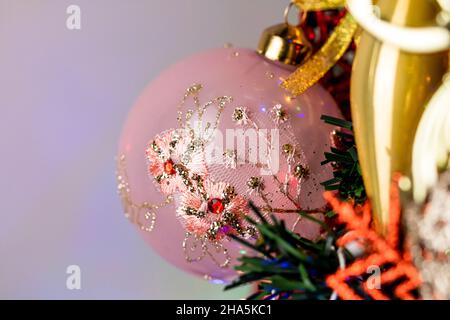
<point x="323" y="60"/>
<point x="316" y="5"/>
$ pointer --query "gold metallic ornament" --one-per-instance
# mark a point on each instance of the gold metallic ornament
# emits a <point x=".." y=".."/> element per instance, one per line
<point x="420" y="40"/>
<point x="285" y="43"/>
<point x="389" y="92"/>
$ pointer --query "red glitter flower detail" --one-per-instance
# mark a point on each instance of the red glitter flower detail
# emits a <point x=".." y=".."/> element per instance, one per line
<point x="199" y="215"/>
<point x="165" y="152"/>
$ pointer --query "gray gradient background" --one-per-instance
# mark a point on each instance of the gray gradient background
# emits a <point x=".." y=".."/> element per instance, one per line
<point x="64" y="96"/>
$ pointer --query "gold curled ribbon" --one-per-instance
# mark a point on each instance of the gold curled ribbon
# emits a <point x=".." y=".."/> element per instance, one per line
<point x="315" y="5"/>
<point x="323" y="60"/>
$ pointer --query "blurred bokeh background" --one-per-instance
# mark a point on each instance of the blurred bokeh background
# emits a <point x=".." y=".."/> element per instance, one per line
<point x="64" y="95"/>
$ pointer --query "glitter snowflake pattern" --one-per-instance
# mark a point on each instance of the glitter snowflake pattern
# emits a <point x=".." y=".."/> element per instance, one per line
<point x="279" y="114"/>
<point x="240" y="116"/>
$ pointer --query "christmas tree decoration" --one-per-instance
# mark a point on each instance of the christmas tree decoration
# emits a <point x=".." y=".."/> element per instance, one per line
<point x="214" y="132"/>
<point x="389" y="91"/>
<point x="238" y="164"/>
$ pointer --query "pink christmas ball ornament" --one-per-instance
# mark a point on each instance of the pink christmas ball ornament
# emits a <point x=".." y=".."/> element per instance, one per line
<point x="210" y="134"/>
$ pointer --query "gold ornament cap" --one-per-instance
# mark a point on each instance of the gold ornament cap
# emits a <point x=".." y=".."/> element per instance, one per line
<point x="285" y="43"/>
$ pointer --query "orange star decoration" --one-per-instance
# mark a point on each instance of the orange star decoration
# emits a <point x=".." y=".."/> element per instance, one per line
<point x="397" y="271"/>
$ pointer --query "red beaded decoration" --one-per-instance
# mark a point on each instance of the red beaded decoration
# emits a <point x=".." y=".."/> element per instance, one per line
<point x="216" y="206"/>
<point x="169" y="168"/>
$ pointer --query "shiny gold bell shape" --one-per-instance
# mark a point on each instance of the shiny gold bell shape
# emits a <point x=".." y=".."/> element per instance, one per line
<point x="389" y="91"/>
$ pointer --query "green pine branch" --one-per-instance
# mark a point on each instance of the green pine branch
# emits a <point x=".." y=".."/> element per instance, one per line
<point x="347" y="178"/>
<point x="286" y="265"/>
